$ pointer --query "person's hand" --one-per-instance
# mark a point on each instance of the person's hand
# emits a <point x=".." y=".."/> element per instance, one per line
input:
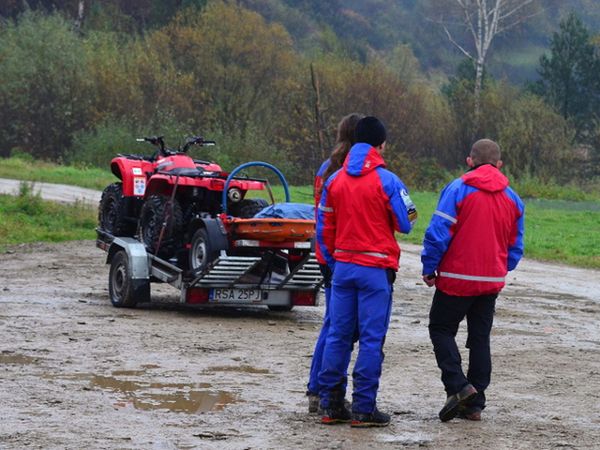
<point x="429" y="279"/>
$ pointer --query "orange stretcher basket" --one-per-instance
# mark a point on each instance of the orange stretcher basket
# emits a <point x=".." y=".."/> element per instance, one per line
<point x="273" y="230"/>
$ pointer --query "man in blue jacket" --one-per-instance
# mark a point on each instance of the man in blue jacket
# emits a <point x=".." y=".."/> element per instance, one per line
<point x="474" y="238"/>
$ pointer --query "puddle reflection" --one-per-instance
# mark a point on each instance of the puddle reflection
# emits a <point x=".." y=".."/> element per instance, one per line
<point x="188" y="398"/>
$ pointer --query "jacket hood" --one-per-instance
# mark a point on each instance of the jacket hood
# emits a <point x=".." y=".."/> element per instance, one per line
<point x="486" y="178"/>
<point x="362" y="159"/>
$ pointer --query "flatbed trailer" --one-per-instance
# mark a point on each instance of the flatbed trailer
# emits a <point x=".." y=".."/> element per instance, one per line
<point x="256" y="273"/>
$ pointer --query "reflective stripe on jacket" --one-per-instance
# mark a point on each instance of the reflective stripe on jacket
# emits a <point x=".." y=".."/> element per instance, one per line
<point x="361" y="207"/>
<point x="476" y="234"/>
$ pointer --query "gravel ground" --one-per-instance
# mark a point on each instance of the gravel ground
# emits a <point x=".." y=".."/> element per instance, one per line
<point x="77" y="373"/>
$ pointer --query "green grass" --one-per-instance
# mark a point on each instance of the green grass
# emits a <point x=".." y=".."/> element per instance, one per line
<point x="563" y="232"/>
<point x="22" y="168"/>
<point x="28" y="218"/>
<point x="555" y="230"/>
<point x="298" y="194"/>
<point x="425" y="203"/>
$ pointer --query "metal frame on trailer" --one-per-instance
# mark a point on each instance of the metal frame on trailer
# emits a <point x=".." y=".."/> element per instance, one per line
<point x="226" y="272"/>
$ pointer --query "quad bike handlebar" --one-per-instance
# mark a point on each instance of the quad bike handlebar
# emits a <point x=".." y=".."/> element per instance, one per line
<point x="158" y="141"/>
<point x="195" y="140"/>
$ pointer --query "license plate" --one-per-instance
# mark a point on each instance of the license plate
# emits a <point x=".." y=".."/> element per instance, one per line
<point x="246" y="295"/>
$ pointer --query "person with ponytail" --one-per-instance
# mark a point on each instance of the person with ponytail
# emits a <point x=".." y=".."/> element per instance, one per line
<point x="344" y="141"/>
<point x="362" y="206"/>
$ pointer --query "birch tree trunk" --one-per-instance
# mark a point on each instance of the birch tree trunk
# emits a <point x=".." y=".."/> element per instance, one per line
<point x="80" y="15"/>
<point x="484" y="20"/>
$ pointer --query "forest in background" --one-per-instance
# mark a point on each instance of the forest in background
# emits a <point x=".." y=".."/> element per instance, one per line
<point x="79" y="86"/>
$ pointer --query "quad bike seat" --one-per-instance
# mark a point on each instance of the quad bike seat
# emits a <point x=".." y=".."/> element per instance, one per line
<point x="184" y="172"/>
<point x="135" y="157"/>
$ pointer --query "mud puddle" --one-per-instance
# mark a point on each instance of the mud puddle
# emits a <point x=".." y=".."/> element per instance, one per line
<point x="241" y="369"/>
<point x="190" y="398"/>
<point x="15" y="358"/>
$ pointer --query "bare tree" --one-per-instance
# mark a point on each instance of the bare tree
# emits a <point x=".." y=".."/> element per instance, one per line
<point x="80" y="15"/>
<point x="320" y="125"/>
<point x="484" y="20"/>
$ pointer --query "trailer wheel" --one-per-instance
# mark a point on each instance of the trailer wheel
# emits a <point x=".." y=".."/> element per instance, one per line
<point x="156" y="212"/>
<point x="112" y="212"/>
<point x="123" y="290"/>
<point x="201" y="251"/>
<point x="280" y="308"/>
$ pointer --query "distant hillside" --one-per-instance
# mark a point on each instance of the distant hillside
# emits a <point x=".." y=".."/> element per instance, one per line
<point x="358" y="28"/>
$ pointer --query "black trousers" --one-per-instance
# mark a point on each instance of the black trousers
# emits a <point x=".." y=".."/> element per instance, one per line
<point x="446" y="313"/>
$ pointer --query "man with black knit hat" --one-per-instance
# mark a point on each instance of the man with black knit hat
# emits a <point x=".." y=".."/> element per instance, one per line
<point x="361" y="207"/>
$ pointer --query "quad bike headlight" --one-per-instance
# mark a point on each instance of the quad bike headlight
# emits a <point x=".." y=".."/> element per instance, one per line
<point x="234" y="195"/>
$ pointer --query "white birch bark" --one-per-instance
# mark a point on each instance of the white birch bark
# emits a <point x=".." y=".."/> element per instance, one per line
<point x="80" y="14"/>
<point x="484" y="20"/>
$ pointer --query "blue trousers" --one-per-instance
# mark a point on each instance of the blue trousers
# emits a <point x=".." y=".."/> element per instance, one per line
<point x="313" y="387"/>
<point x="315" y="366"/>
<point x="446" y="313"/>
<point x="360" y="296"/>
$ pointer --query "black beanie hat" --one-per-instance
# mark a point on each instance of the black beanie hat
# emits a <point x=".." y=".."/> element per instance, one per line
<point x="370" y="130"/>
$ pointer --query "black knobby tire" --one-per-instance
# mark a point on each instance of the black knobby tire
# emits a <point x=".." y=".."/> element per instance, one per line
<point x="159" y="211"/>
<point x="201" y="251"/>
<point x="112" y="212"/>
<point x="123" y="290"/>
<point x="250" y="207"/>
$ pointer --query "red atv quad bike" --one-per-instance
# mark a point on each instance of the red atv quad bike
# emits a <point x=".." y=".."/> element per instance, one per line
<point x="176" y="220"/>
<point x="163" y="195"/>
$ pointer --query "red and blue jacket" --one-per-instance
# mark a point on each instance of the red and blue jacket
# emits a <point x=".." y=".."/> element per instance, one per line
<point x="476" y="234"/>
<point x="361" y="207"/>
<point x="317" y="188"/>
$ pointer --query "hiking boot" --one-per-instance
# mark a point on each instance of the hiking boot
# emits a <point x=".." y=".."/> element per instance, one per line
<point x="453" y="402"/>
<point x="374" y="419"/>
<point x="470" y="413"/>
<point x="336" y="414"/>
<point x="313" y="403"/>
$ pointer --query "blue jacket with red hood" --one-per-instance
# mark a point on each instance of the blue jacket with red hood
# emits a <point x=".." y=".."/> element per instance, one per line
<point x="476" y="234"/>
<point x="361" y="207"/>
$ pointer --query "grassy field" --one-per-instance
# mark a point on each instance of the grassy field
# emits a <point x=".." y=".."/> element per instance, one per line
<point x="28" y="218"/>
<point x="556" y="230"/>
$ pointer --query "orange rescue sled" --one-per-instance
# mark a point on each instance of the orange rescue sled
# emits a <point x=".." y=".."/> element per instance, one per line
<point x="271" y="230"/>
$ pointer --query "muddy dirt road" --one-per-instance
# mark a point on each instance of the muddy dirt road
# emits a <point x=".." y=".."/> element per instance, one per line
<point x="77" y="373"/>
<point x="55" y="192"/>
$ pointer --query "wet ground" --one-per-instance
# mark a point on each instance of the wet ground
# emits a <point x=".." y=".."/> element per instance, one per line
<point x="77" y="373"/>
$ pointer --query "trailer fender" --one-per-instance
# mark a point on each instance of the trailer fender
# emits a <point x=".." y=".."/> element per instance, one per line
<point x="217" y="235"/>
<point x="136" y="252"/>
